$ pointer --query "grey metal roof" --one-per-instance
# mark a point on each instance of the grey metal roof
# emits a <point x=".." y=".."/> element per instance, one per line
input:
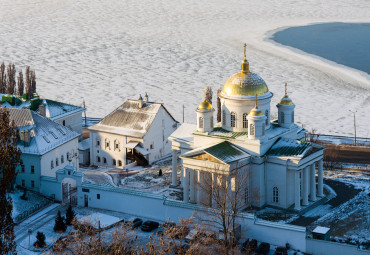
<point x="130" y="119"/>
<point x="45" y="133"/>
<point x="289" y="147"/>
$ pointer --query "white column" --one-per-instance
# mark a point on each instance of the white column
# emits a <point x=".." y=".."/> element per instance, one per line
<point x="192" y="188"/>
<point x="214" y="187"/>
<point x="199" y="188"/>
<point x="305" y="186"/>
<point x="312" y="183"/>
<point x="186" y="185"/>
<point x="320" y="181"/>
<point x="297" y="198"/>
<point x="174" y="167"/>
<point x="182" y="175"/>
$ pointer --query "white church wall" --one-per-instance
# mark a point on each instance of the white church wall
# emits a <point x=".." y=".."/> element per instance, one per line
<point x="49" y="186"/>
<point x="258" y="182"/>
<point x="290" y="188"/>
<point x="276" y="177"/>
<point x="57" y="153"/>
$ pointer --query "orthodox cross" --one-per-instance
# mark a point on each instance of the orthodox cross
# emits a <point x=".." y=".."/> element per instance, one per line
<point x="286" y="89"/>
<point x="245" y="46"/>
<point x="256" y="102"/>
<point x="205" y="92"/>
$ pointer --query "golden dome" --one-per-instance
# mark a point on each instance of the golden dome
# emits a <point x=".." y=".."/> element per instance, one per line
<point x="286" y="100"/>
<point x="205" y="105"/>
<point x="256" y="112"/>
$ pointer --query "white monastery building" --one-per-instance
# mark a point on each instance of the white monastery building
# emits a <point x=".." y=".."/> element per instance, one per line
<point x="281" y="168"/>
<point x="46" y="146"/>
<point x="135" y="133"/>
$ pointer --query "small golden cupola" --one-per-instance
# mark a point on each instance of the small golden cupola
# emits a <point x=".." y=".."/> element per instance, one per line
<point x="255" y="111"/>
<point x="205" y="115"/>
<point x="286" y="100"/>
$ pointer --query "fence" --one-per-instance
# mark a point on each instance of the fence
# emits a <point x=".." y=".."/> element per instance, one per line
<point x="32" y="210"/>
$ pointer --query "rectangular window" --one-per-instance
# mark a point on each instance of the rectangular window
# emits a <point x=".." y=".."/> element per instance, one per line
<point x="98" y="196"/>
<point x="97" y="143"/>
<point x="85" y="190"/>
<point x="119" y="163"/>
<point x="62" y="159"/>
<point x="56" y="162"/>
<point x="23" y="183"/>
<point x="22" y="168"/>
<point x="114" y="162"/>
<point x="32" y="184"/>
<point x="152" y="146"/>
<point x="52" y="164"/>
<point x="32" y="169"/>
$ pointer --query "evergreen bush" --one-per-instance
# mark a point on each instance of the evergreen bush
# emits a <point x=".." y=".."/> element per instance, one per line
<point x="70" y="215"/>
<point x="60" y="225"/>
<point x="40" y="240"/>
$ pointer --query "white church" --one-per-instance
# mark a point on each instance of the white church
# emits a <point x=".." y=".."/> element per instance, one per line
<point x="282" y="168"/>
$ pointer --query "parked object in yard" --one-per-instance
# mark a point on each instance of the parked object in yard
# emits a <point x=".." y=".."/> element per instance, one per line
<point x="149" y="226"/>
<point x="263" y="248"/>
<point x="252" y="245"/>
<point x="136" y="223"/>
<point x="280" y="251"/>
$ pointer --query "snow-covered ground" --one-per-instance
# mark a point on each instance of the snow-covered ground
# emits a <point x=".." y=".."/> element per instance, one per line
<point x="108" y="51"/>
<point x="20" y="206"/>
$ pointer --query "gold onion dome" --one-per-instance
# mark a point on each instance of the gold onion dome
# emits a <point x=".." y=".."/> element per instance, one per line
<point x="245" y="83"/>
<point x="286" y="100"/>
<point x="205" y="105"/>
<point x="255" y="111"/>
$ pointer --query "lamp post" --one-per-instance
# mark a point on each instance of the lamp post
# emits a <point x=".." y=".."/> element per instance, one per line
<point x="354" y="122"/>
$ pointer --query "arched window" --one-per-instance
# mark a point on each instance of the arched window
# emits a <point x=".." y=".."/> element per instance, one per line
<point x="267" y="117"/>
<point x="211" y="122"/>
<point x="97" y="142"/>
<point x="64" y="122"/>
<point x="245" y="120"/>
<point x="292" y="117"/>
<point x="98" y="158"/>
<point x="107" y="143"/>
<point x="223" y="117"/>
<point x="247" y="197"/>
<point x="275" y="195"/>
<point x="232" y="120"/>
<point x="62" y="159"/>
<point x="104" y="160"/>
<point x="114" y="162"/>
<point x="116" y="145"/>
<point x="282" y="117"/>
<point x="201" y="122"/>
<point x="263" y="129"/>
<point x="119" y="163"/>
<point x="251" y="129"/>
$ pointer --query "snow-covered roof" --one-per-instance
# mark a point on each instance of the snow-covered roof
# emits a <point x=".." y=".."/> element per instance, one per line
<point x="184" y="132"/>
<point x="45" y="134"/>
<point x="54" y="109"/>
<point x="84" y="144"/>
<point x="130" y="119"/>
<point x="292" y="147"/>
<point x="321" y="230"/>
<point x="224" y="151"/>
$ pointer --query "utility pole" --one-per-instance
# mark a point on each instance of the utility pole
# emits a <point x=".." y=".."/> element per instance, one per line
<point x="85" y="111"/>
<point x="354" y="122"/>
<point x="183" y="113"/>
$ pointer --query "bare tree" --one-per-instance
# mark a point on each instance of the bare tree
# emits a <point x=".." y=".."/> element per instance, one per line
<point x="230" y="193"/>
<point x="10" y="83"/>
<point x="209" y="95"/>
<point x="2" y="78"/>
<point x="33" y="81"/>
<point x="10" y="158"/>
<point x="28" y="82"/>
<point x="218" y="105"/>
<point x="20" y="83"/>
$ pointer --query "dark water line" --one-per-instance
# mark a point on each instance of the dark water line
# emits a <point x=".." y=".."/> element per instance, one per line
<point x="344" y="43"/>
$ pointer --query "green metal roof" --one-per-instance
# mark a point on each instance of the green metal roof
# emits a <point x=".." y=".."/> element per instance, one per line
<point x="224" y="151"/>
<point x="222" y="133"/>
<point x="288" y="147"/>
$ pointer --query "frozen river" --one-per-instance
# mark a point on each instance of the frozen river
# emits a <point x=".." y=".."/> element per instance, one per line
<point x="108" y="51"/>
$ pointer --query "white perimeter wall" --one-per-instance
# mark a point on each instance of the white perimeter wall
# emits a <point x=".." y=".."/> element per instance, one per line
<point x="320" y="247"/>
<point x="158" y="208"/>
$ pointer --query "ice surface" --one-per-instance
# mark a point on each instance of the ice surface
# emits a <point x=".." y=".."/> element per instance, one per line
<point x="108" y="51"/>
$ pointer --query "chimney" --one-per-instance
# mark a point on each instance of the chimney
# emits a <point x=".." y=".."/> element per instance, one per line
<point x="42" y="110"/>
<point x="141" y="102"/>
<point x="146" y="98"/>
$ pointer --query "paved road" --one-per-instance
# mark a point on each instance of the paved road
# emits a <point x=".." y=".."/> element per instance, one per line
<point x="35" y="222"/>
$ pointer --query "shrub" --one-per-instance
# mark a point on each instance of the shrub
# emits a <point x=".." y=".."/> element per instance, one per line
<point x="60" y="225"/>
<point x="70" y="215"/>
<point x="40" y="240"/>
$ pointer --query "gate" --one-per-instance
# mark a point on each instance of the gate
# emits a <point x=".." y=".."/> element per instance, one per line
<point x="69" y="194"/>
